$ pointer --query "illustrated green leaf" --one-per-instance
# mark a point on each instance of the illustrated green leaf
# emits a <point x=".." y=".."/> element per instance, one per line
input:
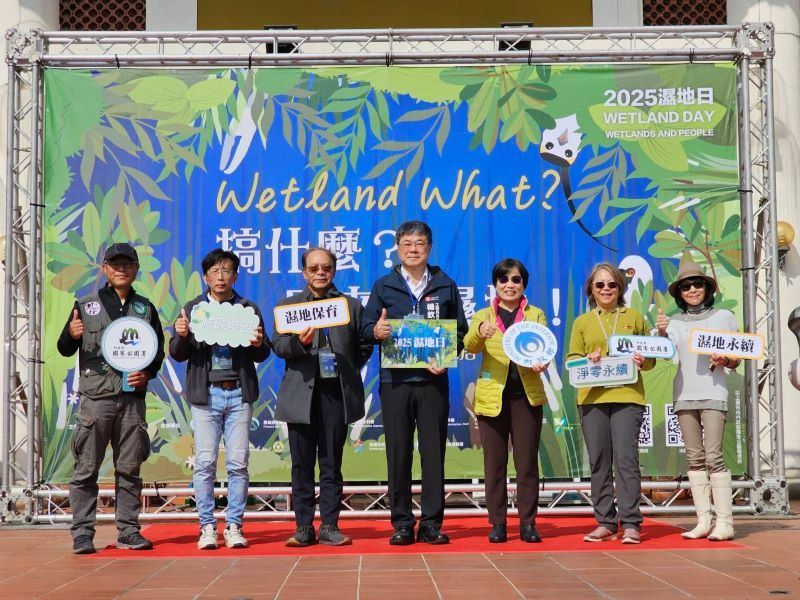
<point x="342" y="106"/>
<point x="162" y="92"/>
<point x="415" y="163"/>
<point x="544" y="72"/>
<point x="91" y="229"/>
<point x="614" y="222"/>
<point x="444" y="130"/>
<point x="276" y="81"/>
<point x="210" y="93"/>
<point x="665" y="153"/>
<point x="418" y="115"/>
<point x="146" y="182"/>
<point x="380" y="168"/>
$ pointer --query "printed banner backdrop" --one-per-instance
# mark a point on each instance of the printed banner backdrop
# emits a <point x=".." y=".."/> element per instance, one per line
<point x="560" y="167"/>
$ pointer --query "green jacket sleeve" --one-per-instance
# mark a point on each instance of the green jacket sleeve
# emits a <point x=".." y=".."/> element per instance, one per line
<point x="474" y="343"/>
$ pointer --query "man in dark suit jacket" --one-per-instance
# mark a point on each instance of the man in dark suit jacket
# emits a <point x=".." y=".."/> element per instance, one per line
<point x="320" y="394"/>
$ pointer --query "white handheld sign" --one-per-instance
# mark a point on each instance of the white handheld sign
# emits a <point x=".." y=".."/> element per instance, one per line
<point x="527" y="344"/>
<point x="727" y="343"/>
<point x="647" y="345"/>
<point x="610" y="371"/>
<point x="294" y="318"/>
<point x="129" y="344"/>
<point x="224" y="324"/>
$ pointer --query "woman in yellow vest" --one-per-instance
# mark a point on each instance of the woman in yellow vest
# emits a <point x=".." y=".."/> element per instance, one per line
<point x="611" y="416"/>
<point x="508" y="402"/>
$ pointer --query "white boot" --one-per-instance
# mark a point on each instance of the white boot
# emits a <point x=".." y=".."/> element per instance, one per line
<point x="721" y="489"/>
<point x="701" y="494"/>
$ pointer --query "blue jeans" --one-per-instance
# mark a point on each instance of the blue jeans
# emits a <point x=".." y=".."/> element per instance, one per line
<point x="226" y="416"/>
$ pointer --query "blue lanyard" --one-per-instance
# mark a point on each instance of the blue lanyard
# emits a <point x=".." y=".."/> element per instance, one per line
<point x="414" y="299"/>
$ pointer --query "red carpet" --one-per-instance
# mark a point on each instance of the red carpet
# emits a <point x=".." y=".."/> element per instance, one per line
<point x="371" y="537"/>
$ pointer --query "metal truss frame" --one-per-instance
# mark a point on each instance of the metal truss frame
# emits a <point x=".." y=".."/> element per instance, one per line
<point x="24" y="498"/>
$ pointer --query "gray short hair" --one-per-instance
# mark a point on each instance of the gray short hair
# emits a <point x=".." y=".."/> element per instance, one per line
<point x="308" y="252"/>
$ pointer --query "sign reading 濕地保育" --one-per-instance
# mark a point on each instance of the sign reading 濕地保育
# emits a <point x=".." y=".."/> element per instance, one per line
<point x="294" y="318"/>
<point x="420" y="343"/>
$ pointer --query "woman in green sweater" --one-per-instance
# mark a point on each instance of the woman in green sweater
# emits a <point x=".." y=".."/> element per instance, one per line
<point x="611" y="416"/>
<point x="508" y="402"/>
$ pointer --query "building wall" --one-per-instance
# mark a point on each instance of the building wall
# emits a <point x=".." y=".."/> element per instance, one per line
<point x="361" y="14"/>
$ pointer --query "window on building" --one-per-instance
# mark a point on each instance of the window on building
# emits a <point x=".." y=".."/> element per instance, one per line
<point x="109" y="15"/>
<point x="685" y="12"/>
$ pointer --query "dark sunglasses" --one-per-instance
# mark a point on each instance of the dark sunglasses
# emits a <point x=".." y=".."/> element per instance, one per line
<point x="697" y="284"/>
<point x="514" y="279"/>
<point x="599" y="285"/>
<point x="323" y="268"/>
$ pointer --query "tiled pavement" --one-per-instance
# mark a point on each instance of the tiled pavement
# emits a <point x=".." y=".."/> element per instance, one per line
<point x="38" y="564"/>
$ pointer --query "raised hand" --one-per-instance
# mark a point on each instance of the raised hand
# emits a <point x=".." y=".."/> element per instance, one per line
<point x="382" y="329"/>
<point x="306" y="336"/>
<point x="182" y="324"/>
<point x="661" y="322"/>
<point x="487" y="329"/>
<point x="596" y="355"/>
<point x="76" y="325"/>
<point x="258" y="339"/>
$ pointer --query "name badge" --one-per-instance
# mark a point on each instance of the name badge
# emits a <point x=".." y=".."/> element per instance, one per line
<point x="327" y="364"/>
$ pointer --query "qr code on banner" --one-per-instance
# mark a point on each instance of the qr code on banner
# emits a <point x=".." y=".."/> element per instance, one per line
<point x="673" y="428"/>
<point x="646" y="432"/>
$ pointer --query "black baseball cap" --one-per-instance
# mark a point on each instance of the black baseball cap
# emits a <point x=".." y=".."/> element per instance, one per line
<point x="122" y="249"/>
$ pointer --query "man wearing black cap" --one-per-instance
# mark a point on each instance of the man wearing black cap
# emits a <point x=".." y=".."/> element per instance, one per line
<point x="107" y="413"/>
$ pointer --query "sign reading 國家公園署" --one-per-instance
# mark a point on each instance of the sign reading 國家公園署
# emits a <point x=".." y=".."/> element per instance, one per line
<point x="647" y="345"/>
<point x="420" y="343"/>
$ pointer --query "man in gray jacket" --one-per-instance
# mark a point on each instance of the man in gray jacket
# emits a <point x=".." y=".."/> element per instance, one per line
<point x="320" y="394"/>
<point x="221" y="386"/>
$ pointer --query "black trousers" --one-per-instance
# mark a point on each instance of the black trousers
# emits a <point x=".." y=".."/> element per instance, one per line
<point x="523" y="423"/>
<point x="322" y="438"/>
<point x="423" y="407"/>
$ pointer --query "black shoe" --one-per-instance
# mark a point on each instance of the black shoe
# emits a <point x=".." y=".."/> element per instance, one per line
<point x="303" y="536"/>
<point x="330" y="535"/>
<point x="498" y="534"/>
<point x="83" y="545"/>
<point x="402" y="536"/>
<point x="430" y="534"/>
<point x="528" y="533"/>
<point x="134" y="541"/>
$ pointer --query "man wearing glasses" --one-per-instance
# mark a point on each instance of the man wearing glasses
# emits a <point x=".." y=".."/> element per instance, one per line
<point x="221" y="386"/>
<point x="321" y="393"/>
<point x="414" y="399"/>
<point x="107" y="413"/>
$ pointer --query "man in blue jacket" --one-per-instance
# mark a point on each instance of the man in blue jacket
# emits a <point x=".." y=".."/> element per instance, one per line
<point x="221" y="386"/>
<point x="414" y="399"/>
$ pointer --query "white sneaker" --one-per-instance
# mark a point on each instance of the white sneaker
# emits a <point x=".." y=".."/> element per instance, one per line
<point x="208" y="538"/>
<point x="233" y="536"/>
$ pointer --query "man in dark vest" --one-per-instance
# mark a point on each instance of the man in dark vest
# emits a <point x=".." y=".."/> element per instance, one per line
<point x="320" y="394"/>
<point x="107" y="413"/>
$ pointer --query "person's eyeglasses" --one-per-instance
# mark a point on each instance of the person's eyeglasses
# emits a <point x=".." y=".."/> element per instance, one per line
<point x="223" y="272"/>
<point x="599" y="285"/>
<point x="407" y="245"/>
<point x="697" y="284"/>
<point x="316" y="268"/>
<point x="514" y="279"/>
<point x="123" y="266"/>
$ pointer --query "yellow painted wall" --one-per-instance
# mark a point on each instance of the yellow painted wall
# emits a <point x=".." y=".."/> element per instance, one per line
<point x="360" y="14"/>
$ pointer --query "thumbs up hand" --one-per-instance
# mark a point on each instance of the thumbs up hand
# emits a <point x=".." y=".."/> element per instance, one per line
<point x="661" y="323"/>
<point x="182" y="324"/>
<point x="382" y="329"/>
<point x="76" y="325"/>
